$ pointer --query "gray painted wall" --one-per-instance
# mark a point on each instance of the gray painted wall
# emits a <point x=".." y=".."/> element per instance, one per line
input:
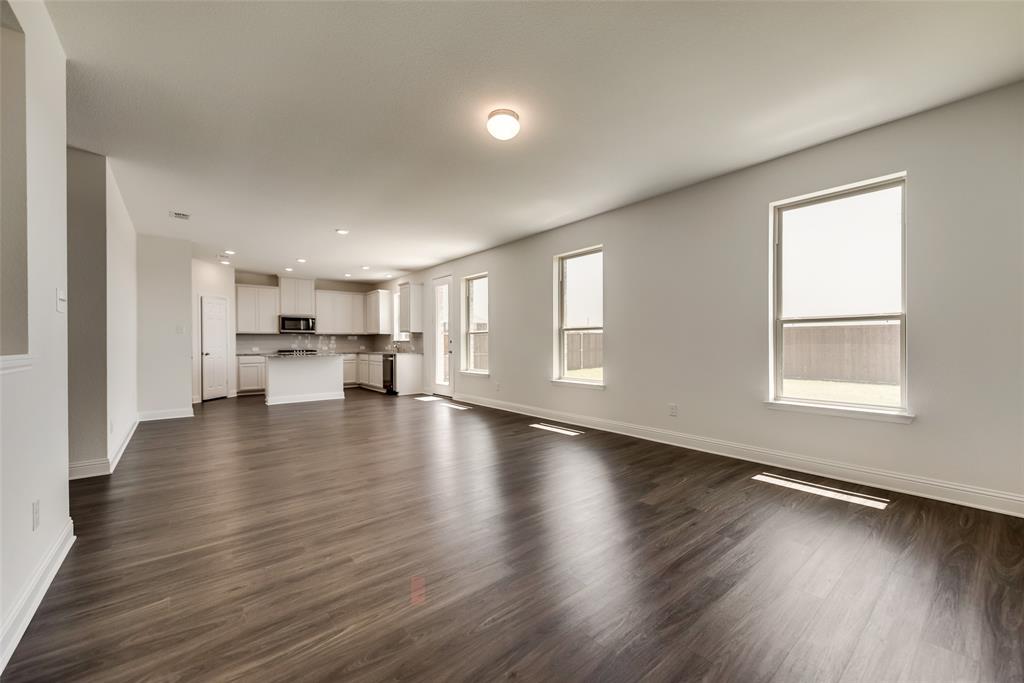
<point x="87" y="308"/>
<point x="13" y="234"/>
<point x="165" y="327"/>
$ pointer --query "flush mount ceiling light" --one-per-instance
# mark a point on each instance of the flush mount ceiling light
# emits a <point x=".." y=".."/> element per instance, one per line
<point x="300" y="260"/>
<point x="341" y="232"/>
<point x="229" y="252"/>
<point x="366" y="267"/>
<point x="289" y="269"/>
<point x="348" y="274"/>
<point x="225" y="263"/>
<point x="503" y="124"/>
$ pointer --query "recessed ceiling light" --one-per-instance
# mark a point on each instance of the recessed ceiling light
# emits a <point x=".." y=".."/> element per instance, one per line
<point x="226" y="263"/>
<point x="300" y="260"/>
<point x="229" y="252"/>
<point x="289" y="269"/>
<point x="366" y="267"/>
<point x="348" y="274"/>
<point x="503" y="124"/>
<point x="341" y="232"/>
<point x="387" y="275"/>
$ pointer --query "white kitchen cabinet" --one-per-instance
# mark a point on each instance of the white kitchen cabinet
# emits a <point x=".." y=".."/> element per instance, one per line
<point x="339" y="312"/>
<point x="364" y="369"/>
<point x="297" y="296"/>
<point x="252" y="373"/>
<point x="351" y="371"/>
<point x="408" y="373"/>
<point x="376" y="373"/>
<point x="410" y="313"/>
<point x="356" y="318"/>
<point x="256" y="309"/>
<point x="331" y="312"/>
<point x="378" y="312"/>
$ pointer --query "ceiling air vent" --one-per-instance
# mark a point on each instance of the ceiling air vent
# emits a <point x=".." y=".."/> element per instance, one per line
<point x="180" y="215"/>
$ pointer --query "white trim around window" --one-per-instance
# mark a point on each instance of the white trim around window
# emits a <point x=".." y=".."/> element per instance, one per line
<point x="474" y="338"/>
<point x="779" y="323"/>
<point x="561" y="331"/>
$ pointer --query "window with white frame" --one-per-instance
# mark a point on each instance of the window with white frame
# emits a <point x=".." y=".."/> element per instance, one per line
<point x="581" y="316"/>
<point x="477" y="343"/>
<point x="839" y="321"/>
<point x="396" y="321"/>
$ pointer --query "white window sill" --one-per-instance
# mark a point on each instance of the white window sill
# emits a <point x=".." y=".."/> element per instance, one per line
<point x="579" y="383"/>
<point x="478" y="373"/>
<point x="843" y="411"/>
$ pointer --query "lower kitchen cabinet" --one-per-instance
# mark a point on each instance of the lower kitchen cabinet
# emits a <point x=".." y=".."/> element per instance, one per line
<point x="364" y="369"/>
<point x="376" y="372"/>
<point x="351" y="364"/>
<point x="252" y="374"/>
<point x="408" y="373"/>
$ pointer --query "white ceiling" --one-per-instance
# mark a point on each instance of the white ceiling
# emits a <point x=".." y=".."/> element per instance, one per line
<point x="275" y="123"/>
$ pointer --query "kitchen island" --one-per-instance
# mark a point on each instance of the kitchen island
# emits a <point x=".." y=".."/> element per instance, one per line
<point x="304" y="377"/>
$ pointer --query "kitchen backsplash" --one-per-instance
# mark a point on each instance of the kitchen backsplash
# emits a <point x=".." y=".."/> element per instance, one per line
<point x="383" y="342"/>
<point x="263" y="343"/>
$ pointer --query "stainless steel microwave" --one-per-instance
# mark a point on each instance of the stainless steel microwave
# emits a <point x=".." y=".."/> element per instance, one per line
<point x="290" y="324"/>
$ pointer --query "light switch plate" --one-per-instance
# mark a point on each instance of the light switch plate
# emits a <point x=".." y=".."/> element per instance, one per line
<point x="62" y="300"/>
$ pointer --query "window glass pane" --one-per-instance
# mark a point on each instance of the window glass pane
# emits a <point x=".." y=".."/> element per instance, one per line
<point x="478" y="351"/>
<point x="442" y="361"/>
<point x="843" y="362"/>
<point x="582" y="289"/>
<point x="844" y="256"/>
<point x="583" y="355"/>
<point x="478" y="304"/>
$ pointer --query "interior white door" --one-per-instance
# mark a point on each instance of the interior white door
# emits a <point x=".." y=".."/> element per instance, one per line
<point x="214" y="346"/>
<point x="441" y="375"/>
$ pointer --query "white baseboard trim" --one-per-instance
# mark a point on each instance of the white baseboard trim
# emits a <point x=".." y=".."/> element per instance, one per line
<point x="101" y="467"/>
<point x="305" y="398"/>
<point x="27" y="602"/>
<point x="124" y="444"/>
<point x="171" y="414"/>
<point x="1004" y="502"/>
<point x="84" y="469"/>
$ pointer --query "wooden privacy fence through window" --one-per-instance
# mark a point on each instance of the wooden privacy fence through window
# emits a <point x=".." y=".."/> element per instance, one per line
<point x="584" y="350"/>
<point x="856" y="352"/>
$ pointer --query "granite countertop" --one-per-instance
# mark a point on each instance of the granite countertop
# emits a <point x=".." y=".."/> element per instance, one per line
<point x="276" y="354"/>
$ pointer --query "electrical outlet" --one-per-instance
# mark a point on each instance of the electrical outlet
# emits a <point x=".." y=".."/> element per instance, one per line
<point x="673" y="410"/>
<point x="35" y="515"/>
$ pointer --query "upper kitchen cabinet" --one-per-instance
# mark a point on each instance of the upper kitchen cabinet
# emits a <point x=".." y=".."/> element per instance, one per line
<point x="297" y="296"/>
<point x="328" y="312"/>
<point x="378" y="312"/>
<point x="339" y="312"/>
<point x="410" y="305"/>
<point x="256" y="309"/>
<point x="356" y="312"/>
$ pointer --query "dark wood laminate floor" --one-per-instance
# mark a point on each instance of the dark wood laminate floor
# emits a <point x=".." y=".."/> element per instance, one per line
<point x="392" y="539"/>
